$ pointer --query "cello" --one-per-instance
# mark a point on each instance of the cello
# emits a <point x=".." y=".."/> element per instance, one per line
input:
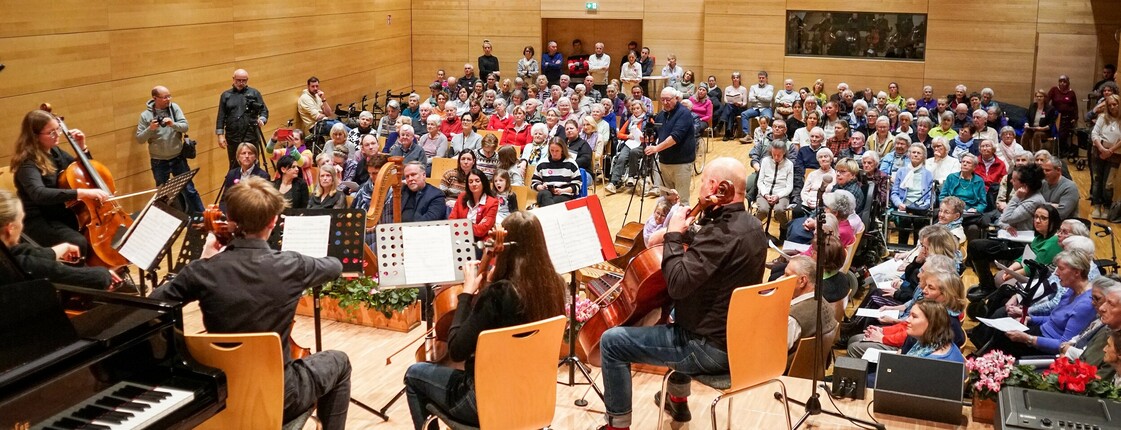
<point x="642" y="289"/>
<point x="215" y="222"/>
<point x="101" y="222"/>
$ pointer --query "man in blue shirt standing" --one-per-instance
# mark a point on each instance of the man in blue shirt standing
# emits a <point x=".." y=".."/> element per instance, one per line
<point x="677" y="144"/>
<point x="551" y="63"/>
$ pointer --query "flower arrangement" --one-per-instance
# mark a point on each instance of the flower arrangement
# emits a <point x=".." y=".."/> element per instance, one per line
<point x="990" y="372"/>
<point x="352" y="293"/>
<point x="585" y="309"/>
<point x="987" y="373"/>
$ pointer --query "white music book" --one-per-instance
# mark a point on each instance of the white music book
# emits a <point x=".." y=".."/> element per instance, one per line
<point x="148" y="236"/>
<point x="1005" y="324"/>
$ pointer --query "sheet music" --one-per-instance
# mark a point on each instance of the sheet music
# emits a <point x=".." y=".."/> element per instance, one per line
<point x="872" y="355"/>
<point x="307" y="235"/>
<point x="788" y="246"/>
<point x="1023" y="236"/>
<point x="1004" y="324"/>
<point x="570" y="236"/>
<point x="150" y="233"/>
<point x="876" y="313"/>
<point x="428" y="254"/>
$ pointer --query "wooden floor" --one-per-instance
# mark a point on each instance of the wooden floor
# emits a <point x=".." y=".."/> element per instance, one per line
<point x="375" y="383"/>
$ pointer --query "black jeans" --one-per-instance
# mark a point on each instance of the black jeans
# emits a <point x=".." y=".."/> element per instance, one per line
<point x="322" y="380"/>
<point x="546" y="198"/>
<point x="982" y="252"/>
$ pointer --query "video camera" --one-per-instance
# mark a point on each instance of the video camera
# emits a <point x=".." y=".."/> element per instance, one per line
<point x="253" y="106"/>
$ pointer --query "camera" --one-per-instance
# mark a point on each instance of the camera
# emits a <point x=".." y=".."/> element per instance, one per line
<point x="253" y="106"/>
<point x="159" y="119"/>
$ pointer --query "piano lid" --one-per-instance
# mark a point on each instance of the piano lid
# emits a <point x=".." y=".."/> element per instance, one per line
<point x="34" y="327"/>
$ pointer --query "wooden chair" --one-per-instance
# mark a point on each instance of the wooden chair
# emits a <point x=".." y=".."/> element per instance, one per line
<point x="441" y="165"/>
<point x="850" y="251"/>
<point x="527" y="354"/>
<point x="254" y="370"/>
<point x="522" y="192"/>
<point x="802" y="366"/>
<point x="528" y="175"/>
<point x="7" y="179"/>
<point x="496" y="133"/>
<point x="757" y="317"/>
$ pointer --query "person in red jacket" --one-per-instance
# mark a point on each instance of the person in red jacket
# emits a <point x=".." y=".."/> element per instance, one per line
<point x="989" y="167"/>
<point x="478" y="204"/>
<point x="517" y="133"/>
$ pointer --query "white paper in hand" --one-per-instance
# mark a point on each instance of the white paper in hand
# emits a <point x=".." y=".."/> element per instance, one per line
<point x="872" y="355"/>
<point x="1004" y="324"/>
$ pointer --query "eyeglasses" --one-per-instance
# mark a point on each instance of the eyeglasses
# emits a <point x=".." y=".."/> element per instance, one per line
<point x="51" y="133"/>
<point x="1040" y="218"/>
<point x="167" y="97"/>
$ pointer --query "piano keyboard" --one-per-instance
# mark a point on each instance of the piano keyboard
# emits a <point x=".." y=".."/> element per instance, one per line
<point x="123" y="406"/>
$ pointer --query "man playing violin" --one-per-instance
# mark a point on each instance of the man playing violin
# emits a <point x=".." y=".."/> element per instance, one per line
<point x="248" y="287"/>
<point x="702" y="265"/>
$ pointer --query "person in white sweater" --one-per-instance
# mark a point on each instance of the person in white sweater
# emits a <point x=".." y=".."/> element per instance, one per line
<point x="775" y="183"/>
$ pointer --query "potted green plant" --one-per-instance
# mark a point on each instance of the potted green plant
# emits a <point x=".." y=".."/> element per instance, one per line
<point x="360" y="301"/>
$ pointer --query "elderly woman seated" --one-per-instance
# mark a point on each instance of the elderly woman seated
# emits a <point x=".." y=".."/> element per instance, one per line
<point x="1073" y="314"/>
<point x="775" y="183"/>
<point x="941" y="164"/>
<point x="911" y="193"/>
<point x="930" y="334"/>
<point x="838" y="203"/>
<point x="807" y="199"/>
<point x="942" y="287"/>
<point x="967" y="186"/>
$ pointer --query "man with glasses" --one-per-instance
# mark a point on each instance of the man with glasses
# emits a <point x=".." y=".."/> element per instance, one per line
<point x="677" y="144"/>
<point x="162" y="126"/>
<point x="241" y="114"/>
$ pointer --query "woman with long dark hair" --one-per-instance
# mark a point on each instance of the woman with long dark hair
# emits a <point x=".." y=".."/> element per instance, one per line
<point x="454" y="181"/>
<point x="524" y="288"/>
<point x="477" y="204"/>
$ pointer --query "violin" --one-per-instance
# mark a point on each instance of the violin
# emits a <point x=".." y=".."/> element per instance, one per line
<point x="446" y="301"/>
<point x="215" y="222"/>
<point x="642" y="289"/>
<point x="100" y="221"/>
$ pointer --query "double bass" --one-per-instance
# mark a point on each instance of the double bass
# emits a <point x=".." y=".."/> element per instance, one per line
<point x="642" y="289"/>
<point x="102" y="222"/>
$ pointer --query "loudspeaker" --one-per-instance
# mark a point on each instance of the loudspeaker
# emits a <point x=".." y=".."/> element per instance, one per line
<point x="849" y="377"/>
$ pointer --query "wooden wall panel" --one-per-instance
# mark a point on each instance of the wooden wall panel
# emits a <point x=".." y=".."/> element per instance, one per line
<point x="883" y="6"/>
<point x="31" y="18"/>
<point x="1061" y="54"/>
<point x="166" y="13"/>
<point x="97" y="61"/>
<point x="608" y="9"/>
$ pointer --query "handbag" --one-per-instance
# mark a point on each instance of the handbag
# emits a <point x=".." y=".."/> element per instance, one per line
<point x="190" y="148"/>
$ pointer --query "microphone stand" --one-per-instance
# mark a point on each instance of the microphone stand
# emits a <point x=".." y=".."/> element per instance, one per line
<point x="813" y="404"/>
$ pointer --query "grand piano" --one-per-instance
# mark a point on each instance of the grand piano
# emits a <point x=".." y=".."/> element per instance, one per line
<point x="119" y="364"/>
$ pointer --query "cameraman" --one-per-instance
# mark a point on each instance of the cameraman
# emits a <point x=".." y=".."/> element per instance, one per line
<point x="162" y="126"/>
<point x="241" y="114"/>
<point x="677" y="144"/>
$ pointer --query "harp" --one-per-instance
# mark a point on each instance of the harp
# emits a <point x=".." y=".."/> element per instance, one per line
<point x="387" y="181"/>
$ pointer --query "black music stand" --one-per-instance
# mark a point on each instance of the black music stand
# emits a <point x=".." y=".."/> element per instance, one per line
<point x="344" y="242"/>
<point x="150" y="238"/>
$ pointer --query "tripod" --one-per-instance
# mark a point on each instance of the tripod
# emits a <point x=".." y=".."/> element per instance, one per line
<point x="262" y="160"/>
<point x="813" y="404"/>
<point x="572" y="360"/>
<point x="646" y="170"/>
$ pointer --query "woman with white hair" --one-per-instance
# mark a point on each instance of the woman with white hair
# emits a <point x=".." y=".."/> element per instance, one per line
<point x="840" y="204"/>
<point x="815" y="181"/>
<point x="882" y="139"/>
<point x="536" y="151"/>
<point x="911" y="191"/>
<point x="365" y="126"/>
<point x="966" y="185"/>
<point x="941" y="164"/>
<point x="1007" y="148"/>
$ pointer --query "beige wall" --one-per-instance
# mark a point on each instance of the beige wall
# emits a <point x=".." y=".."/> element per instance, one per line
<point x="96" y="62"/>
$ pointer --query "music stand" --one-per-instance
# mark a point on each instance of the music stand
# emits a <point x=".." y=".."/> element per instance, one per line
<point x="150" y="237"/>
<point x="304" y="230"/>
<point x="414" y="254"/>
<point x="576" y="235"/>
<point x="175" y="186"/>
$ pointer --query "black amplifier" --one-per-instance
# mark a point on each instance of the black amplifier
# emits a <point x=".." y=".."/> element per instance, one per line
<point x="1022" y="408"/>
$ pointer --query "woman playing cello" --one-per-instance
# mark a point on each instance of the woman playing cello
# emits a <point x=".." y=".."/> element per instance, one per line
<point x="523" y="287"/>
<point x="37" y="164"/>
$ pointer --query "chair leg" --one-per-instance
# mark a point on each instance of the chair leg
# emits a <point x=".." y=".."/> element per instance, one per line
<point x="785" y="403"/>
<point x="712" y="411"/>
<point x="662" y="406"/>
<point x="429" y="421"/>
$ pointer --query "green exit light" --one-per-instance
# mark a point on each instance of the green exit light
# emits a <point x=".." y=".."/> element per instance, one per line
<point x="591" y="6"/>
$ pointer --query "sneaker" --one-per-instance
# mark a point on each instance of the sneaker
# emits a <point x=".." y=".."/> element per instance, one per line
<point x="1097" y="213"/>
<point x="629" y="183"/>
<point x="678" y="411"/>
<point x="610" y="189"/>
<point x="653" y="192"/>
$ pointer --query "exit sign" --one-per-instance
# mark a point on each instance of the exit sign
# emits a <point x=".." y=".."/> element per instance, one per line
<point x="591" y="6"/>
